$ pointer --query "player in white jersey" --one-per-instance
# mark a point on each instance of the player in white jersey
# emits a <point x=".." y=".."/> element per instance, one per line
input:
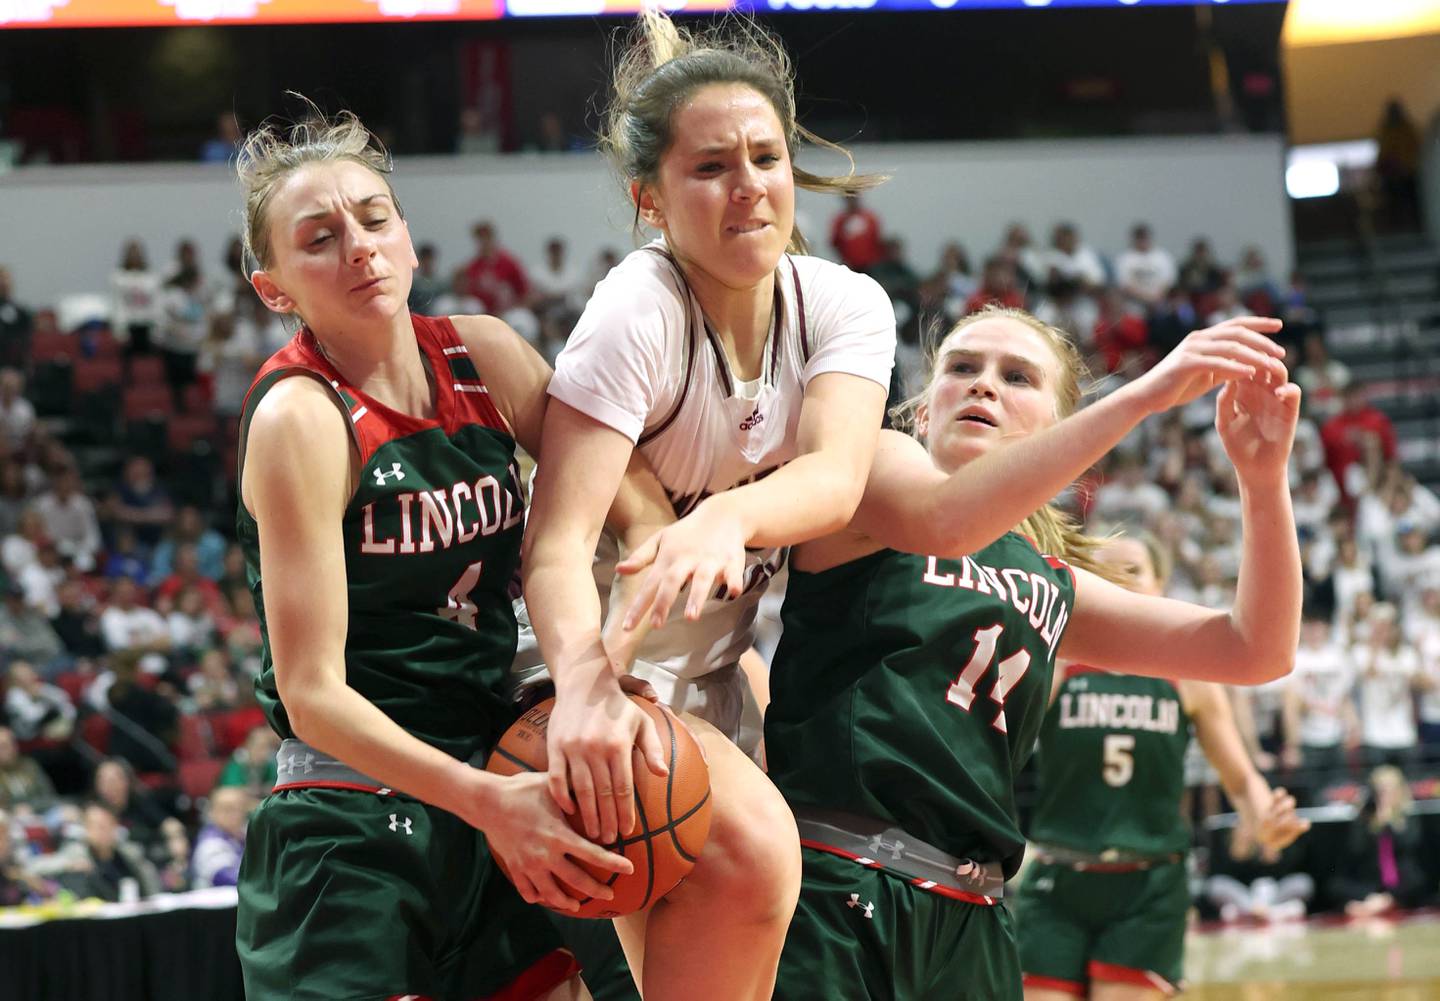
<point x="704" y="431"/>
<point x="753" y="379"/>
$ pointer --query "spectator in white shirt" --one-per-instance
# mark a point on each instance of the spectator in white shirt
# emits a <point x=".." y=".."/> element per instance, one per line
<point x="35" y="709"/>
<point x="1071" y="259"/>
<point x="1127" y="496"/>
<point x="1320" y="720"/>
<point x="1321" y="378"/>
<point x="17" y="414"/>
<point x="557" y="295"/>
<point x="69" y="519"/>
<point x="1145" y="272"/>
<point x="128" y="625"/>
<point x="41" y="581"/>
<point x="1389" y="674"/>
<point x="1351" y="577"/>
<point x="1413" y="567"/>
<point x="20" y="550"/>
<point x="135" y="291"/>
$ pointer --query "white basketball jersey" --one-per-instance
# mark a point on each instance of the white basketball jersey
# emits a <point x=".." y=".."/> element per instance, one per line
<point x="643" y="360"/>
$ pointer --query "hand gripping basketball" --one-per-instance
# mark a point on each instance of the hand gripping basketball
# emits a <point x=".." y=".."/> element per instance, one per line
<point x="672" y="812"/>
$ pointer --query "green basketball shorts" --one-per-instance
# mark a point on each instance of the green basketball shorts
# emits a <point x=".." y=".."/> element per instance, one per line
<point x="346" y="894"/>
<point x="862" y="934"/>
<point x="1076" y="926"/>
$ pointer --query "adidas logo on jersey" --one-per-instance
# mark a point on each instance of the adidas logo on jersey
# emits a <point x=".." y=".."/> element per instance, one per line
<point x="754" y="420"/>
<point x="381" y="476"/>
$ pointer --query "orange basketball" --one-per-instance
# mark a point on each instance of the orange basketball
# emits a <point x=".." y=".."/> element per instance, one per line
<point x="672" y="812"/>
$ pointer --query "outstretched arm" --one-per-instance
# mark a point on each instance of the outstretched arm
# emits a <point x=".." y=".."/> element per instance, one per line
<point x="1255" y="641"/>
<point x="912" y="506"/>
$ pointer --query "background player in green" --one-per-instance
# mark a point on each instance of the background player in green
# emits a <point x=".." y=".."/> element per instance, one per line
<point x="1101" y="912"/>
<point x="381" y="515"/>
<point x="897" y="738"/>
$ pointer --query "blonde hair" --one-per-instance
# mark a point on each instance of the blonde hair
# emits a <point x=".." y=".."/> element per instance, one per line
<point x="1392" y="776"/>
<point x="659" y="65"/>
<point x="1053" y="531"/>
<point x="276" y="150"/>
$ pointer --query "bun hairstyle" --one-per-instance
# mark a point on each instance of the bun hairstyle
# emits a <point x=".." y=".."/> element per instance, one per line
<point x="659" y="65"/>
<point x="1053" y="531"/>
<point x="275" y="150"/>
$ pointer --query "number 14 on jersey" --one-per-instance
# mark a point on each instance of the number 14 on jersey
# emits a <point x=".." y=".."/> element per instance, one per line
<point x="962" y="690"/>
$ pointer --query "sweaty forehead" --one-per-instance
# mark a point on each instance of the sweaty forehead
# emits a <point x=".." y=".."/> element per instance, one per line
<point x="720" y="114"/>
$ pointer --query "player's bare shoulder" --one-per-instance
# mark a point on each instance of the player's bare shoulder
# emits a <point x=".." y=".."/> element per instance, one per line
<point x="299" y="424"/>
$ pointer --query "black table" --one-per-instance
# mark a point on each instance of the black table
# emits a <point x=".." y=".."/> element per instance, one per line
<point x="175" y="948"/>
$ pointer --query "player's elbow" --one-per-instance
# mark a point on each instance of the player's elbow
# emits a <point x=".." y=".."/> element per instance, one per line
<point x="304" y="707"/>
<point x="1268" y="666"/>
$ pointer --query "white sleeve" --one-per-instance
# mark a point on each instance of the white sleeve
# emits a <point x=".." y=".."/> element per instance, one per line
<point x="852" y="326"/>
<point x="613" y="368"/>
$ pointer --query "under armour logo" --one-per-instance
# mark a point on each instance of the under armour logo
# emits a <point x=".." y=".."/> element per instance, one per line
<point x="297" y="762"/>
<point x="396" y="823"/>
<point x="868" y="907"/>
<point x="381" y="476"/>
<point x="754" y="419"/>
<point x="878" y="844"/>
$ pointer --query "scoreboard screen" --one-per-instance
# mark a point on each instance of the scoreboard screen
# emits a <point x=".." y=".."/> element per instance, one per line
<point x="158" y="13"/>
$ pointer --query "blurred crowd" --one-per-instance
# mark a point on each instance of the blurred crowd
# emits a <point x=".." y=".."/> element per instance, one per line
<point x="131" y="747"/>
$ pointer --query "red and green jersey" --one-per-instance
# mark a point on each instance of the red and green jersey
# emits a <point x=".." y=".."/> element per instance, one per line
<point x="910" y="689"/>
<point x="1111" y="766"/>
<point x="432" y="542"/>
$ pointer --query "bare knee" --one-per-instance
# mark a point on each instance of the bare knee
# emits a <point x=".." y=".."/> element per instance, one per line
<point x="752" y="858"/>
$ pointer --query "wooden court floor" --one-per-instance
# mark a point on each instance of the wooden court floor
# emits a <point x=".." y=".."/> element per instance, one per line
<point x="1380" y="961"/>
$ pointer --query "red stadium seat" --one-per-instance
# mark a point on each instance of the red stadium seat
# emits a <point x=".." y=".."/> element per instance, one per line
<point x="147" y="370"/>
<point x="54" y="346"/>
<point x="144" y="400"/>
<point x="184" y="430"/>
<point x="92" y="374"/>
<point x="197" y="399"/>
<point x="195" y="738"/>
<point x="73" y="685"/>
<point x="104" y="344"/>
<point x="231" y="728"/>
<point x="197" y="778"/>
<point x="95" y="731"/>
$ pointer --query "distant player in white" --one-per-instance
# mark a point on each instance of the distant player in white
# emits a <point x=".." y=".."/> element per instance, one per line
<point x="754" y="381"/>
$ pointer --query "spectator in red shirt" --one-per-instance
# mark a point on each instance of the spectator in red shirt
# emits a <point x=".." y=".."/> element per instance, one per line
<point x="1347" y="434"/>
<point x="187" y="575"/>
<point x="1121" y="332"/>
<point x="855" y="235"/>
<point x="493" y="276"/>
<point x="997" y="286"/>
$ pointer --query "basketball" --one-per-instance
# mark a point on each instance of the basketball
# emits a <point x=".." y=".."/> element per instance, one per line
<point x="672" y="812"/>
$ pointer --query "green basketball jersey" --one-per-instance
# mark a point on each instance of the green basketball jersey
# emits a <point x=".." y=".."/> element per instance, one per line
<point x="432" y="542"/>
<point x="910" y="689"/>
<point x="1111" y="766"/>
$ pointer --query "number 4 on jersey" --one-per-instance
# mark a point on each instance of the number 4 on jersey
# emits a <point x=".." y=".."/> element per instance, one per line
<point x="962" y="691"/>
<point x="460" y="608"/>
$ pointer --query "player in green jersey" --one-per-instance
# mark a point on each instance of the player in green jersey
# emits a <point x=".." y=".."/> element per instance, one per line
<point x="381" y="514"/>
<point x="916" y="658"/>
<point x="1101" y="912"/>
